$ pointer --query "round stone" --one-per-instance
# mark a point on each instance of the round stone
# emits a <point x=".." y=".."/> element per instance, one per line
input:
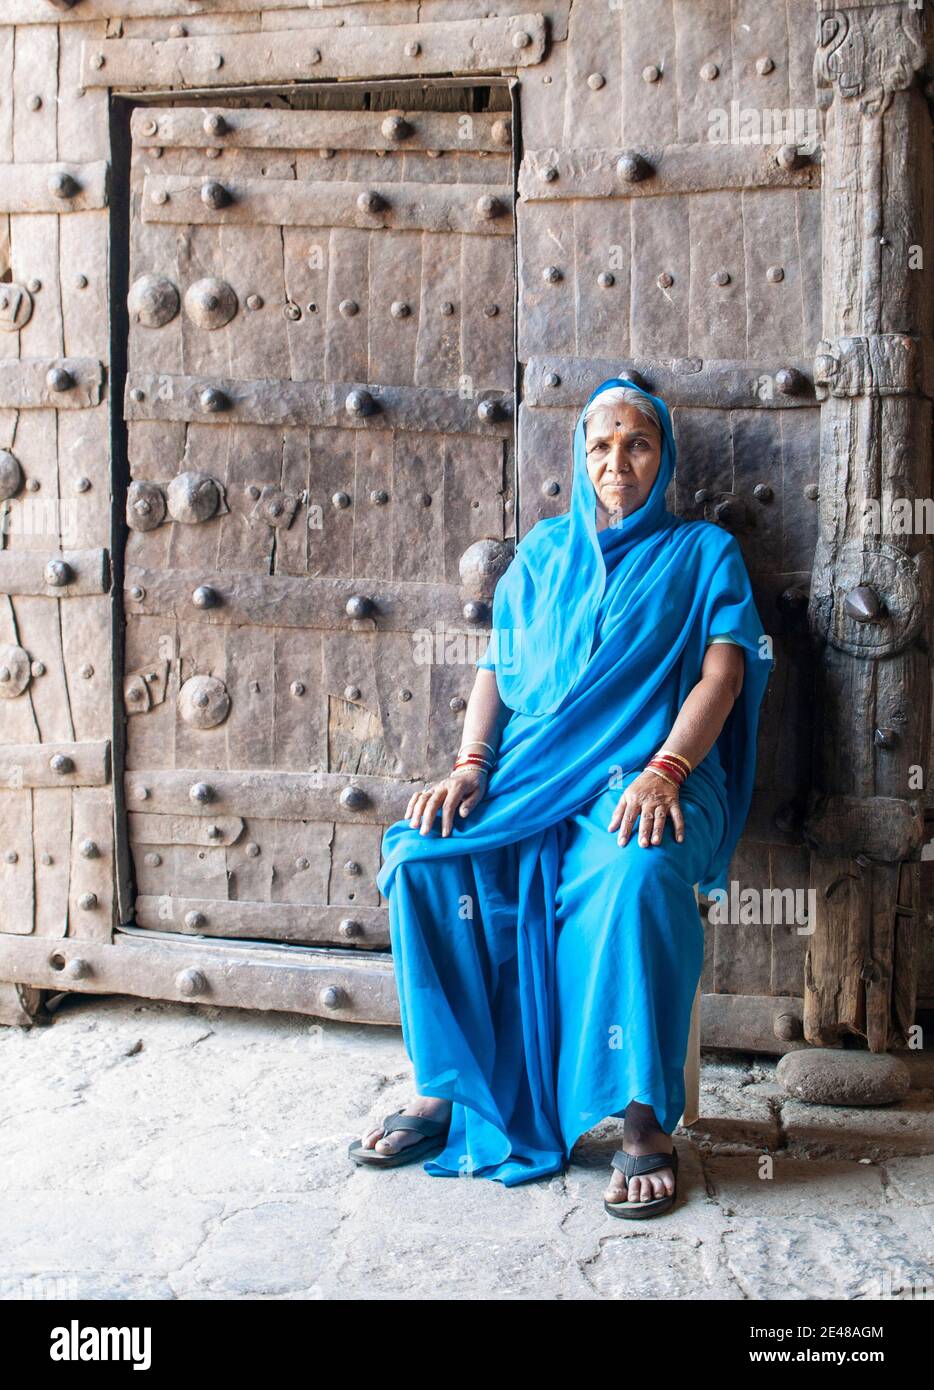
<point x="832" y="1076"/>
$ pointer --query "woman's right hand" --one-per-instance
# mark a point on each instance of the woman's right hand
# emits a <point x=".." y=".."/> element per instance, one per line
<point x="461" y="789"/>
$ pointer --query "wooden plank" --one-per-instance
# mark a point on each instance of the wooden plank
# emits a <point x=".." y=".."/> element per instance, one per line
<point x="721" y="383"/>
<point x="775" y="291"/>
<point x="372" y="530"/>
<point x="38" y="622"/>
<point x="601" y="269"/>
<point x="42" y="12"/>
<point x="83" y="276"/>
<point x="7" y="36"/>
<point x="367" y="926"/>
<point x="151" y="829"/>
<point x="660" y="278"/>
<point x="677" y="168"/>
<point x="296" y="978"/>
<point x="347" y="306"/>
<point x="35" y="76"/>
<point x="83" y="476"/>
<point x="31" y="187"/>
<point x="266" y="402"/>
<point x="487" y="351"/>
<point x="418" y="510"/>
<point x="702" y="48"/>
<point x="30" y="765"/>
<point x="24" y="572"/>
<point x="87" y="646"/>
<point x="592" y="107"/>
<point x="396" y="272"/>
<point x="300" y="719"/>
<point x="263" y="129"/>
<point x="19" y="715"/>
<point x="91" y="890"/>
<point x="649" y="109"/>
<point x="355" y="863"/>
<point x="258" y="600"/>
<point x="439" y="207"/>
<point x="265" y="794"/>
<point x="38" y="518"/>
<point x="83" y="124"/>
<point x="52" y="825"/>
<point x="441" y="304"/>
<point x="477" y="45"/>
<point x="17" y="867"/>
<point x="36" y="259"/>
<point x="25" y="384"/>
<point x="717" y="316"/>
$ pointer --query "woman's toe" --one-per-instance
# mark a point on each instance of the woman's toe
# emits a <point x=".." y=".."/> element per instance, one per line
<point x="616" y="1192"/>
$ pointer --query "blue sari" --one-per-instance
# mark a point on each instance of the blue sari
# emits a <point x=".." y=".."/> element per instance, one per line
<point x="546" y="973"/>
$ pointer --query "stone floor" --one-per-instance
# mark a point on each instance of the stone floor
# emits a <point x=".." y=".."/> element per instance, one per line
<point x="157" y="1150"/>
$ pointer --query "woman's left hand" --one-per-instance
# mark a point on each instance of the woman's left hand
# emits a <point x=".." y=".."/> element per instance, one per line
<point x="648" y="800"/>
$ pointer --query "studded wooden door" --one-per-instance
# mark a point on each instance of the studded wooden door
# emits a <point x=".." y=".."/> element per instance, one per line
<point x="320" y="412"/>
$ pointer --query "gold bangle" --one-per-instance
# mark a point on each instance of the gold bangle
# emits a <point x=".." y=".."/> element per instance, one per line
<point x="678" y="757"/>
<point x="662" y="775"/>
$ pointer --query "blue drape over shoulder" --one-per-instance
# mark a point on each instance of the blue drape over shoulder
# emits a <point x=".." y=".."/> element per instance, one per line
<point x="598" y="638"/>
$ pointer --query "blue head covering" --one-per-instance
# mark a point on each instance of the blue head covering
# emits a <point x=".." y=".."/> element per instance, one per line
<point x="547" y="601"/>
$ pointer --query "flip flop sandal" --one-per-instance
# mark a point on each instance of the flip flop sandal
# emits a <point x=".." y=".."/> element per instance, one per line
<point x="434" y="1131"/>
<point x="636" y="1166"/>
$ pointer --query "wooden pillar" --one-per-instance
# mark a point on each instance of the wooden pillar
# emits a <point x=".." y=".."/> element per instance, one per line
<point x="871" y="592"/>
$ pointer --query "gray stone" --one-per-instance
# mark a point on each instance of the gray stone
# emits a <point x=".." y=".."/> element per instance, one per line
<point x="832" y="1076"/>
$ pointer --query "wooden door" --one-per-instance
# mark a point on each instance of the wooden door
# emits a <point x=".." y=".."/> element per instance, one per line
<point x="320" y="412"/>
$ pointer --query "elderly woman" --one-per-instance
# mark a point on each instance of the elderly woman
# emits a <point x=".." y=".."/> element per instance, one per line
<point x="544" y="927"/>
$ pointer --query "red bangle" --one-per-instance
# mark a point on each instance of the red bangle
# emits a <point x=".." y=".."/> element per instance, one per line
<point x="673" y="771"/>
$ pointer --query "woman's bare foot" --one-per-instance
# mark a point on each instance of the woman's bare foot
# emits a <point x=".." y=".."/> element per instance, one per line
<point x="432" y="1106"/>
<point x="642" y="1135"/>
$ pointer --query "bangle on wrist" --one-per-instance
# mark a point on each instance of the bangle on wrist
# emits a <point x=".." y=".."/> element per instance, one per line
<point x="678" y="758"/>
<point x="651" y="767"/>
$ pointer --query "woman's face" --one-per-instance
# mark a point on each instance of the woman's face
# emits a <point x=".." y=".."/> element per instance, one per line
<point x="624" y="450"/>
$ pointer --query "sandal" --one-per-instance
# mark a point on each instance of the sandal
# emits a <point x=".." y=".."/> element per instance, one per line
<point x="434" y="1131"/>
<point x="635" y="1166"/>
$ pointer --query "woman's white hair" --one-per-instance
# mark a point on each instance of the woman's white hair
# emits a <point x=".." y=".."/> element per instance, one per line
<point x="624" y="395"/>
